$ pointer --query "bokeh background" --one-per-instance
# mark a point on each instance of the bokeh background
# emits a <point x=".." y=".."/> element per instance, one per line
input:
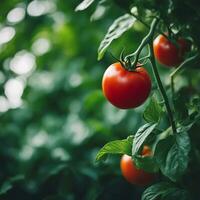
<point x="53" y="116"/>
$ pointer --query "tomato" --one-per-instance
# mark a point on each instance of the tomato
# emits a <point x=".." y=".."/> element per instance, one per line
<point x="134" y="175"/>
<point x="168" y="53"/>
<point x="146" y="151"/>
<point x="126" y="89"/>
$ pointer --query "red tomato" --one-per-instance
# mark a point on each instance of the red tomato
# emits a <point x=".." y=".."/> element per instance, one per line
<point x="126" y="89"/>
<point x="146" y="151"/>
<point x="134" y="175"/>
<point x="168" y="53"/>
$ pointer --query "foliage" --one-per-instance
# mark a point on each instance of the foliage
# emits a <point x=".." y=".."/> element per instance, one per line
<point x="54" y="118"/>
<point x="174" y="149"/>
<point x="51" y="138"/>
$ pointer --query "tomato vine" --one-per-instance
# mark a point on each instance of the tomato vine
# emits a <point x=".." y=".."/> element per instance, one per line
<point x="172" y="145"/>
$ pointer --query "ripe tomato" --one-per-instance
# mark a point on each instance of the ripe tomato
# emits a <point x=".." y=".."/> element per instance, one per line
<point x="146" y="151"/>
<point x="126" y="89"/>
<point x="168" y="53"/>
<point x="134" y="175"/>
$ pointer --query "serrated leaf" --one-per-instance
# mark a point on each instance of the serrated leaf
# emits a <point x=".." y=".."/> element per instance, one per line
<point x="115" y="147"/>
<point x="119" y="26"/>
<point x="153" y="111"/>
<point x="84" y="4"/>
<point x="141" y="135"/>
<point x="164" y="190"/>
<point x="172" y="155"/>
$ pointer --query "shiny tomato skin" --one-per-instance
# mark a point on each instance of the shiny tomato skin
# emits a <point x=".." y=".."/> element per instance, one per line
<point x="126" y="89"/>
<point x="134" y="175"/>
<point x="168" y="53"/>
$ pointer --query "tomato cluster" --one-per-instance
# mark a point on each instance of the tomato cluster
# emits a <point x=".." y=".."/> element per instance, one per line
<point x="128" y="89"/>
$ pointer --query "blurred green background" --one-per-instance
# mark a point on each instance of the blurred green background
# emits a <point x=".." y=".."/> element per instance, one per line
<point x="53" y="116"/>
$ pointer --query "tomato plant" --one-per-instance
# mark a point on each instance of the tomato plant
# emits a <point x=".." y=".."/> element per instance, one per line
<point x="53" y="114"/>
<point x="170" y="116"/>
<point x="126" y="89"/>
<point x="168" y="53"/>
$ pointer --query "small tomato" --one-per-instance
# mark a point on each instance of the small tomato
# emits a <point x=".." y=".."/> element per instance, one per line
<point x="134" y="175"/>
<point x="169" y="54"/>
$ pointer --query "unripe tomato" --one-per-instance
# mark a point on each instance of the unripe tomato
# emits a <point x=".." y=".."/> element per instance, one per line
<point x="134" y="175"/>
<point x="126" y="89"/>
<point x="168" y="53"/>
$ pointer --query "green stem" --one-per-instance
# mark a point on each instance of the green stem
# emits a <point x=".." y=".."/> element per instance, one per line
<point x="172" y="86"/>
<point x="162" y="90"/>
<point x="146" y="40"/>
<point x="145" y="24"/>
<point x="183" y="65"/>
<point x="140" y="20"/>
<point x="157" y="77"/>
<point x="143" y="58"/>
<point x="180" y="68"/>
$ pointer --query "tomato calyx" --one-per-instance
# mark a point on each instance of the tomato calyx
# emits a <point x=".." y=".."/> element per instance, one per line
<point x="126" y="63"/>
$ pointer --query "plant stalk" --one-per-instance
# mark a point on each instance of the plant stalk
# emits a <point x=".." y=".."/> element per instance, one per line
<point x="158" y="80"/>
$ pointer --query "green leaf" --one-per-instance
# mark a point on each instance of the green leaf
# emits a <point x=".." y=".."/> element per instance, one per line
<point x="164" y="190"/>
<point x="147" y="163"/>
<point x="100" y="11"/>
<point x="195" y="106"/>
<point x="8" y="185"/>
<point x="119" y="26"/>
<point x="155" y="191"/>
<point x="116" y="147"/>
<point x="172" y="155"/>
<point x="5" y="187"/>
<point x="159" y="137"/>
<point x="141" y="135"/>
<point x="84" y="4"/>
<point x="153" y="111"/>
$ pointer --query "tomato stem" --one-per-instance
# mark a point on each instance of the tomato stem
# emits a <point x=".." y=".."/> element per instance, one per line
<point x="144" y="58"/>
<point x="146" y="40"/>
<point x="180" y="68"/>
<point x="183" y="65"/>
<point x="145" y="24"/>
<point x="157" y="77"/>
<point x="136" y="54"/>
